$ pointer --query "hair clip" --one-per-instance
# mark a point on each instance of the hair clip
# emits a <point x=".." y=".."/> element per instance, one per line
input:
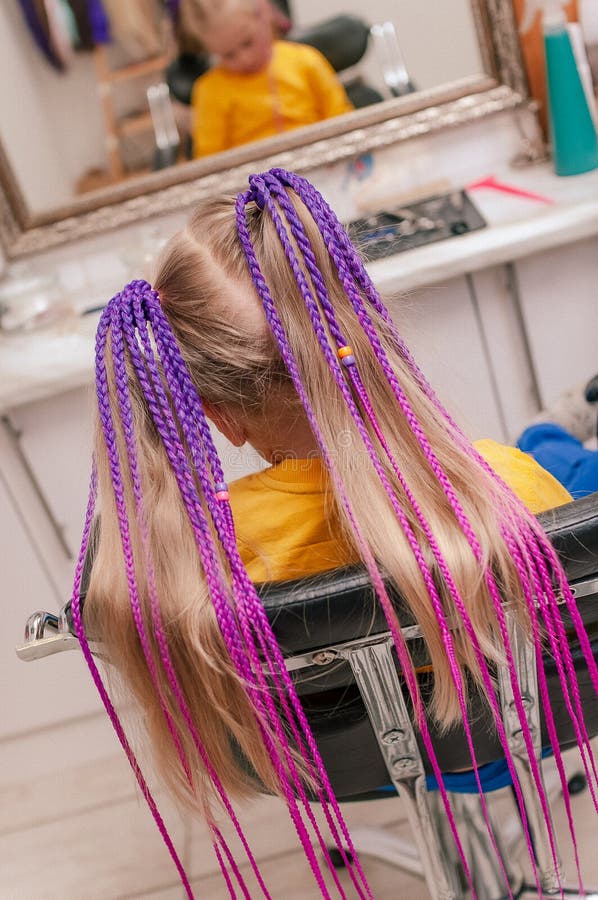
<point x="221" y="488"/>
<point x="345" y="354"/>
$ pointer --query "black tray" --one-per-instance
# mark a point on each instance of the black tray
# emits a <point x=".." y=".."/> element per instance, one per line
<point x="435" y="219"/>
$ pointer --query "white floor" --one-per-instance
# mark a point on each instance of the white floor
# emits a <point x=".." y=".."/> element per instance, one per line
<point x="83" y="833"/>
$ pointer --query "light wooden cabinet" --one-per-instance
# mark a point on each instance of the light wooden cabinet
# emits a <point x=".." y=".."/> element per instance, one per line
<point x="54" y="437"/>
<point x="47" y="692"/>
<point x="513" y="376"/>
<point x="441" y="325"/>
<point x="559" y="301"/>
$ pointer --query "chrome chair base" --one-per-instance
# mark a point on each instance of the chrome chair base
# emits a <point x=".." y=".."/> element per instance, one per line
<point x="488" y="878"/>
<point x="573" y="893"/>
<point x="381" y="844"/>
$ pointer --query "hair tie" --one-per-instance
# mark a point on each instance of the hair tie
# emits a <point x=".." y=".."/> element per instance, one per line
<point x="258" y="192"/>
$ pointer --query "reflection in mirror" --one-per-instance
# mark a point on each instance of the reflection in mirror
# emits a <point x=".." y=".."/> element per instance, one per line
<point x="83" y="97"/>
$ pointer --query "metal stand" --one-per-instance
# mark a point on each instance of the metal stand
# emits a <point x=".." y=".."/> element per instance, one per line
<point x="376" y="675"/>
<point x="549" y="869"/>
<point x="434" y="856"/>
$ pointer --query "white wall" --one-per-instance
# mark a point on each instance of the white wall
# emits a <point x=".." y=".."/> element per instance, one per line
<point x="50" y="124"/>
<point x="437" y="37"/>
<point x="25" y="121"/>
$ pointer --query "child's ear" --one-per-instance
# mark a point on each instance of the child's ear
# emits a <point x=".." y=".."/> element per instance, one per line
<point x="232" y="429"/>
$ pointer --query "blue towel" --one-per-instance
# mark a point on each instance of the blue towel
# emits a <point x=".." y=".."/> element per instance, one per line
<point x="493" y="777"/>
<point x="563" y="456"/>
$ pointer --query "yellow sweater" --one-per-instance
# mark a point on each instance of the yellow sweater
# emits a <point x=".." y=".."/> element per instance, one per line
<point x="298" y="87"/>
<point x="283" y="531"/>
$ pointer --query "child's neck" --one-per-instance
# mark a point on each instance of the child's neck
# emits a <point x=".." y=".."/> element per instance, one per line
<point x="281" y="437"/>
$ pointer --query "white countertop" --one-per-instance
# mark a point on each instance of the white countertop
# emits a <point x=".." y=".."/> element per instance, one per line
<point x="45" y="362"/>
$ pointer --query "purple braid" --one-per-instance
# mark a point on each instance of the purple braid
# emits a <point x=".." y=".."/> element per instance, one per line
<point x="141" y="335"/>
<point x="561" y="652"/>
<point x="121" y="383"/>
<point x="251" y="613"/>
<point x="126" y="421"/>
<point x="158" y="419"/>
<point x="343" y="265"/>
<point x="525" y="567"/>
<point x="163" y="418"/>
<point x="336" y="237"/>
<point x="317" y="279"/>
<point x="126" y="418"/>
<point x="248" y="589"/>
<point x="97" y="679"/>
<point x="524" y="536"/>
<point x="161" y="331"/>
<point x="521" y="530"/>
<point x="262" y="194"/>
<point x="303" y="243"/>
<point x="112" y="714"/>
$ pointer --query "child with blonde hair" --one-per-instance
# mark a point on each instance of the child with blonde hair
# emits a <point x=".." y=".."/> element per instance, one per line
<point x="258" y="87"/>
<point x="263" y="319"/>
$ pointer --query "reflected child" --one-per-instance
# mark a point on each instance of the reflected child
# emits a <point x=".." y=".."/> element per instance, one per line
<point x="259" y="87"/>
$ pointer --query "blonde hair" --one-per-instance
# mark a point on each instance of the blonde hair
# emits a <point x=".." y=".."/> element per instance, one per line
<point x="198" y="17"/>
<point x="256" y="294"/>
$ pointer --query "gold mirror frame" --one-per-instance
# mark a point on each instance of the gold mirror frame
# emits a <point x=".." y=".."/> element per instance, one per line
<point x="170" y="190"/>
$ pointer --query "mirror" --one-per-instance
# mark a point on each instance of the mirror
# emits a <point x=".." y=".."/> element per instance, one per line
<point x="87" y="137"/>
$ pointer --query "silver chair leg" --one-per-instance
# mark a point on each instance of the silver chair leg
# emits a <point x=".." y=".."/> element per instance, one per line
<point x="375" y="673"/>
<point x="486" y="871"/>
<point x="531" y="892"/>
<point x="550" y="873"/>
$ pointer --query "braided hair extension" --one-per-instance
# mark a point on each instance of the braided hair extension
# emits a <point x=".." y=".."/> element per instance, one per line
<point x="269" y="183"/>
<point x="530" y="544"/>
<point x="137" y="351"/>
<point x="264" y="190"/>
<point x="251" y="615"/>
<point x="260" y="187"/>
<point x="97" y="679"/>
<point x="241" y="617"/>
<point x="350" y="266"/>
<point x="302" y="241"/>
<point x="126" y="418"/>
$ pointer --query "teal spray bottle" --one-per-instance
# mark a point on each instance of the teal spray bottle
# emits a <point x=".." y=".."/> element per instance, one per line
<point x="573" y="131"/>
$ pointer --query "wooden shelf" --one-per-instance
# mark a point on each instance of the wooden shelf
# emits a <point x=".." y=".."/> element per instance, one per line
<point x="136" y="124"/>
<point x="138" y="70"/>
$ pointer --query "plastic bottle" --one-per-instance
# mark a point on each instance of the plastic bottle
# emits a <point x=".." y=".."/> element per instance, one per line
<point x="583" y="66"/>
<point x="573" y="133"/>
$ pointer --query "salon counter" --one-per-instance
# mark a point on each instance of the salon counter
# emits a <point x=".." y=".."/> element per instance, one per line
<point x="46" y="362"/>
<point x="518" y="227"/>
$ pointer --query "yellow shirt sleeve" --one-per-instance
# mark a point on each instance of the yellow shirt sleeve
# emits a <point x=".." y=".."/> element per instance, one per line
<point x="329" y="93"/>
<point x="209" y="107"/>
<point x="536" y="487"/>
<point x="283" y="523"/>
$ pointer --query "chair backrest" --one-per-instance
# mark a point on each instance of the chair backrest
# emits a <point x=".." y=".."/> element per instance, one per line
<point x="323" y="623"/>
<point x="343" y="39"/>
<point x="314" y="618"/>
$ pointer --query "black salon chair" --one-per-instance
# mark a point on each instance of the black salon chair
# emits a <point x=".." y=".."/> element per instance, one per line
<point x="340" y="654"/>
